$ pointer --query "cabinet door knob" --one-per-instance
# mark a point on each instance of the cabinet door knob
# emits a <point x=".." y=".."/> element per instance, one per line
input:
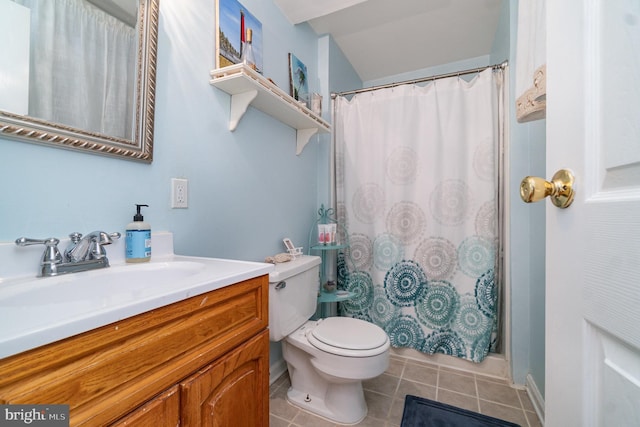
<point x="281" y="285"/>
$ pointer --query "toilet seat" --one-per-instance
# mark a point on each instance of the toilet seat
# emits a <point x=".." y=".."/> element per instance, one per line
<point x="346" y="336"/>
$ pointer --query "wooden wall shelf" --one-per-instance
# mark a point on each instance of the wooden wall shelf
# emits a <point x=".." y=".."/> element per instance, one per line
<point x="248" y="87"/>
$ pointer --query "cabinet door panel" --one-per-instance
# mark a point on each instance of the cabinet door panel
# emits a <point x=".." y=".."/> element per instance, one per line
<point x="232" y="391"/>
<point x="162" y="411"/>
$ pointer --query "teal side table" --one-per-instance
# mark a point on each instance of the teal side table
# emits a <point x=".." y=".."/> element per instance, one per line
<point x="328" y="301"/>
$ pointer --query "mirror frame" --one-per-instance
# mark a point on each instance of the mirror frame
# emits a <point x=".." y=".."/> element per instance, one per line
<point x="30" y="129"/>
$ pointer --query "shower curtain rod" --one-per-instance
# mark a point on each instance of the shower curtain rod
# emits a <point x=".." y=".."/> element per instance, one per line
<point x="420" y="80"/>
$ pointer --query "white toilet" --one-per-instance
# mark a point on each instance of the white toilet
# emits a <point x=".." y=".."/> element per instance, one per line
<point x="328" y="358"/>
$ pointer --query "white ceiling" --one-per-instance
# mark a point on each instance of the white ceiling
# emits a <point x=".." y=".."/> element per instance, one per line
<point x="383" y="38"/>
<point x="124" y="10"/>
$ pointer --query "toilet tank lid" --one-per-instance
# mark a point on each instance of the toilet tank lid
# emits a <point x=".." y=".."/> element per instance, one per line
<point x="284" y="270"/>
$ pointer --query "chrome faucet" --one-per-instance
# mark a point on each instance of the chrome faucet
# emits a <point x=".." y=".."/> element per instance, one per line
<point x="82" y="254"/>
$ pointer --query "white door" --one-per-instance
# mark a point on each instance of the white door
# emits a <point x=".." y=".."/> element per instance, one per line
<point x="593" y="247"/>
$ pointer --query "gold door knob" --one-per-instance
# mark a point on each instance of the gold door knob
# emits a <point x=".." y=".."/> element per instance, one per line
<point x="534" y="189"/>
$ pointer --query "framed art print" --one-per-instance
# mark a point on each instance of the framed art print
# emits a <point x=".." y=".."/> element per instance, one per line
<point x="233" y="21"/>
<point x="298" y="84"/>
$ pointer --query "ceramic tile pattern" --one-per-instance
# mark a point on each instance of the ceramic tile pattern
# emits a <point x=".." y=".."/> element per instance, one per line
<point x="385" y="396"/>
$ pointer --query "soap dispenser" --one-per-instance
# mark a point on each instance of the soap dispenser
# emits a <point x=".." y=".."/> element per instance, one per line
<point x="138" y="239"/>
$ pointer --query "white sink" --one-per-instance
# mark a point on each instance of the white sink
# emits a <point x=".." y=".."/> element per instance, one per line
<point x="95" y="289"/>
<point x="37" y="311"/>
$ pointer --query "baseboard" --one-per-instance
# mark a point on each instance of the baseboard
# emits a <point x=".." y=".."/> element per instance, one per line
<point x="494" y="365"/>
<point x="536" y="397"/>
<point x="276" y="370"/>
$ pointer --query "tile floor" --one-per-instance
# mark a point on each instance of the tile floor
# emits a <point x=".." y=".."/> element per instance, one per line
<point x="385" y="396"/>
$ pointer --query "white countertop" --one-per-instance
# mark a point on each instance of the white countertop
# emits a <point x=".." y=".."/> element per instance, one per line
<point x="37" y="311"/>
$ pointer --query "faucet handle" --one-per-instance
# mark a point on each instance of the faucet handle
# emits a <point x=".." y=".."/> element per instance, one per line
<point x="26" y="241"/>
<point x="105" y="238"/>
<point x="51" y="253"/>
<point x="96" y="247"/>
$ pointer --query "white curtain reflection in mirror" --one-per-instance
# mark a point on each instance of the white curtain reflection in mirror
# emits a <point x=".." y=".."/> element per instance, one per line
<point x="82" y="67"/>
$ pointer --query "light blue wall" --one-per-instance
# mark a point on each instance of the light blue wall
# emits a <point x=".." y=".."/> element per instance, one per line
<point x="335" y="74"/>
<point x="247" y="189"/>
<point x="342" y="76"/>
<point x="537" y="141"/>
<point x="466" y="64"/>
<point x="527" y="151"/>
<point x="501" y="49"/>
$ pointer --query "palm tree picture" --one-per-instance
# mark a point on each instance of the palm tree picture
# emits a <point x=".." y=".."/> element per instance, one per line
<point x="298" y="78"/>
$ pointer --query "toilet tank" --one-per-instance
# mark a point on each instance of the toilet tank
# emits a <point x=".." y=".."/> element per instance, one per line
<point x="293" y="295"/>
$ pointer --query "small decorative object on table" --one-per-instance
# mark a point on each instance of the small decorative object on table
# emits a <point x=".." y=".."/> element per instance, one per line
<point x="332" y="238"/>
<point x="327" y="234"/>
<point x="330" y="286"/>
<point x="293" y="251"/>
<point x="316" y="103"/>
<point x="248" y="58"/>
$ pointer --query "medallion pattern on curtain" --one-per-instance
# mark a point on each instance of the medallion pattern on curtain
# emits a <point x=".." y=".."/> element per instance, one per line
<point x="416" y="178"/>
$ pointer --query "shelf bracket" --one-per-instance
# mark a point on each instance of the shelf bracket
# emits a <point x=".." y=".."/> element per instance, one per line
<point x="302" y="138"/>
<point x="239" y="104"/>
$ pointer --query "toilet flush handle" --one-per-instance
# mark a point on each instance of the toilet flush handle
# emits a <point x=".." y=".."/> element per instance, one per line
<point x="281" y="285"/>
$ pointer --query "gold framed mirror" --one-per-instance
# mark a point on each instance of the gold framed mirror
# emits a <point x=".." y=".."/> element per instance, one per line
<point x="136" y="141"/>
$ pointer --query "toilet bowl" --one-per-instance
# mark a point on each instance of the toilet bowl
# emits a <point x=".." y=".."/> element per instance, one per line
<point x="328" y="358"/>
<point x="326" y="378"/>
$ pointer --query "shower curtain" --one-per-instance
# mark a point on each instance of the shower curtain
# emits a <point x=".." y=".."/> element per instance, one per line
<point x="416" y="188"/>
<point x="82" y="67"/>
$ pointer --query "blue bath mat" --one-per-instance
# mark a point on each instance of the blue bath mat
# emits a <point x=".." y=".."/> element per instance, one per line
<point x="420" y="412"/>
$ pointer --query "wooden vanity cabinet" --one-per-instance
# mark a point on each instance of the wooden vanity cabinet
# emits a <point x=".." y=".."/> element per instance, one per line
<point x="203" y="361"/>
<point x="161" y="411"/>
<point x="226" y="392"/>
